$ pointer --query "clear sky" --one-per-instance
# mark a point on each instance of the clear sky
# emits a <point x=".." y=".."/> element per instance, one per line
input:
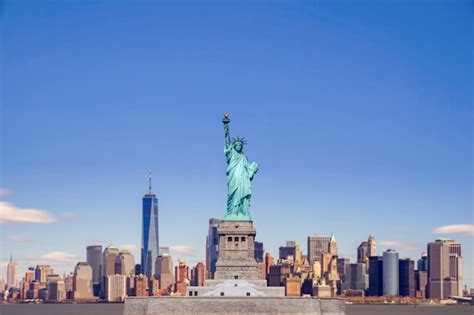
<point x="359" y="114"/>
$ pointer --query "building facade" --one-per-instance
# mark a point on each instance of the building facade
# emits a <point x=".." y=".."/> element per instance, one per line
<point x="94" y="259"/>
<point x="125" y="263"/>
<point x="422" y="263"/>
<point x="42" y="272"/>
<point x="375" y="276"/>
<point x="317" y="245"/>
<point x="366" y="249"/>
<point x="164" y="270"/>
<point x="56" y="291"/>
<point x="212" y="246"/>
<point x="390" y="273"/>
<point x="445" y="273"/>
<point x="199" y="274"/>
<point x="407" y="285"/>
<point x="258" y="251"/>
<point x="115" y="288"/>
<point x="82" y="284"/>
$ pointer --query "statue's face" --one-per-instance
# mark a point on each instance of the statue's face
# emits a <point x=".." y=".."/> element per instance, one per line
<point x="238" y="146"/>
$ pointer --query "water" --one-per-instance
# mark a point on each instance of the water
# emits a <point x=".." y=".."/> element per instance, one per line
<point x="117" y="309"/>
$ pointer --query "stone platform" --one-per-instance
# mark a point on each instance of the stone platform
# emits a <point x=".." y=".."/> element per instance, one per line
<point x="233" y="305"/>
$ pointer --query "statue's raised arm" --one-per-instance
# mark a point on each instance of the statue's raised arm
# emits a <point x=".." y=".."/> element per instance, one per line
<point x="226" y="121"/>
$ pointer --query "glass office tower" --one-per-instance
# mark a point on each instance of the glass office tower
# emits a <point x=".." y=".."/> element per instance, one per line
<point x="150" y="243"/>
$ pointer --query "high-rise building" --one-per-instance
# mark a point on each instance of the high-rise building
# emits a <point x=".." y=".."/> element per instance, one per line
<point x="421" y="280"/>
<point x="115" y="288"/>
<point x="82" y="285"/>
<point x="268" y="264"/>
<point x="125" y="263"/>
<point x="445" y="274"/>
<point x="94" y="259"/>
<point x="287" y="251"/>
<point x="258" y="251"/>
<point x="366" y="249"/>
<point x="29" y="276"/>
<point x="341" y="270"/>
<point x="199" y="274"/>
<point x="69" y="286"/>
<point x="422" y="263"/>
<point x="390" y="272"/>
<point x="212" y="246"/>
<point x="108" y="265"/>
<point x="11" y="269"/>
<point x="56" y="291"/>
<point x="407" y="286"/>
<point x="181" y="278"/>
<point x="164" y="270"/>
<point x="317" y="245"/>
<point x="356" y="277"/>
<point x="42" y="272"/>
<point x="110" y="255"/>
<point x="375" y="276"/>
<point x="150" y="238"/>
<point x="140" y="285"/>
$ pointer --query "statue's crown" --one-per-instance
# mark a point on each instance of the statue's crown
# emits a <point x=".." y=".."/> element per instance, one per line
<point x="239" y="139"/>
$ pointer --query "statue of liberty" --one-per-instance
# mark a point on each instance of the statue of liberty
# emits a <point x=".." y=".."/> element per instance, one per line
<point x="239" y="175"/>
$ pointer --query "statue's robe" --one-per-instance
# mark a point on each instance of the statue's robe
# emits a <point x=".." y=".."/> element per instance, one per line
<point x="239" y="174"/>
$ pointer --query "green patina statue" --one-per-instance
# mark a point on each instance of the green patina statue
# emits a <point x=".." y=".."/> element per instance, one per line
<point x="239" y="174"/>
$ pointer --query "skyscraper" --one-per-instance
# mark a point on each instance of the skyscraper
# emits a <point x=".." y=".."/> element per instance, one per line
<point x="288" y="250"/>
<point x="82" y="284"/>
<point x="407" y="277"/>
<point x="341" y="270"/>
<point x="150" y="239"/>
<point x="356" y="277"/>
<point x="199" y="274"/>
<point x="258" y="251"/>
<point x="125" y="264"/>
<point x="115" y="288"/>
<point x="444" y="269"/>
<point x="212" y="246"/>
<point x="366" y="249"/>
<point x="108" y="264"/>
<point x="390" y="272"/>
<point x="375" y="275"/>
<point x="164" y="270"/>
<point x="181" y="278"/>
<point x="42" y="272"/>
<point x="317" y="245"/>
<point x="56" y="289"/>
<point x="11" y="269"/>
<point x="94" y="259"/>
<point x="422" y="263"/>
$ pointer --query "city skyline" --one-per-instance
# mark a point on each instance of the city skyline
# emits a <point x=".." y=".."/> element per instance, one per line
<point x="368" y="133"/>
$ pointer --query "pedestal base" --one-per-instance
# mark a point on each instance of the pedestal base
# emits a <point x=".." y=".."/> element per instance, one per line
<point x="236" y="251"/>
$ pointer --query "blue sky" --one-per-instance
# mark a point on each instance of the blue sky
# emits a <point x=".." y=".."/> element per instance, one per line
<point x="359" y="114"/>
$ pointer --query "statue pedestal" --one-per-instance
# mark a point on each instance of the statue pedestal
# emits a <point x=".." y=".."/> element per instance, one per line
<point x="236" y="251"/>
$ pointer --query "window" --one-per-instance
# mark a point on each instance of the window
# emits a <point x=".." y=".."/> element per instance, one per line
<point x="242" y="239"/>
<point x="190" y="293"/>
<point x="195" y="293"/>
<point x="248" y="293"/>
<point x="229" y="239"/>
<point x="236" y="277"/>
<point x="236" y="239"/>
<point x="222" y="293"/>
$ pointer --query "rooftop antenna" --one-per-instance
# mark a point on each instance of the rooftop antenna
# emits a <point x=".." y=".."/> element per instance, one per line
<point x="149" y="181"/>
